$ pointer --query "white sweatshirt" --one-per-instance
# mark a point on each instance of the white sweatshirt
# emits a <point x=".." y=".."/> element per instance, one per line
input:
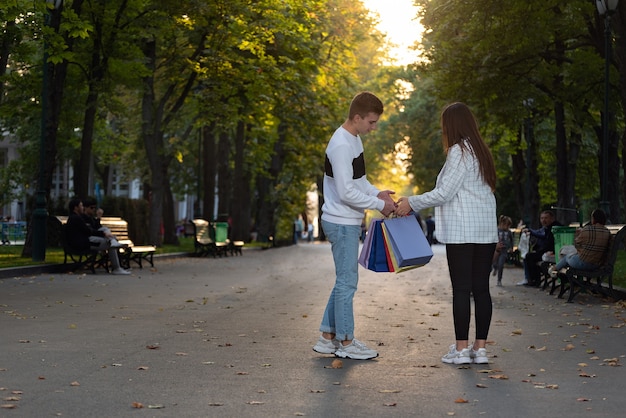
<point x="347" y="192"/>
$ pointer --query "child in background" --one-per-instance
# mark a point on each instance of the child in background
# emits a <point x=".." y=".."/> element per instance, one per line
<point x="505" y="244"/>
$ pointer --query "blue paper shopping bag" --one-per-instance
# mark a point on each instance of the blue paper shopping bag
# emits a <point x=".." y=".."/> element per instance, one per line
<point x="377" y="258"/>
<point x="410" y="246"/>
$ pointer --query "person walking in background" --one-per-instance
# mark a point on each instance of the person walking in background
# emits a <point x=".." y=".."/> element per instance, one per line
<point x="591" y="243"/>
<point x="298" y="227"/>
<point x="430" y="229"/>
<point x="309" y="235"/>
<point x="504" y="245"/>
<point x="347" y="193"/>
<point x="465" y="208"/>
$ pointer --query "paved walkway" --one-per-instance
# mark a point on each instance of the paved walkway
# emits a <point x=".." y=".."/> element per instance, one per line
<point x="232" y="337"/>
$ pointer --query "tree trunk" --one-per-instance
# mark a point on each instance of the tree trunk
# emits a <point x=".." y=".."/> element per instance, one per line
<point x="169" y="225"/>
<point x="223" y="175"/>
<point x="266" y="222"/>
<point x="532" y="202"/>
<point x="54" y="76"/>
<point x="153" y="144"/>
<point x="518" y="172"/>
<point x="564" y="184"/>
<point x="209" y="162"/>
<point x="240" y="204"/>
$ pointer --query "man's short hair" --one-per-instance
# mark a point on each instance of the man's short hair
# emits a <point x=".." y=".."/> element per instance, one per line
<point x="74" y="202"/>
<point x="364" y="103"/>
<point x="599" y="216"/>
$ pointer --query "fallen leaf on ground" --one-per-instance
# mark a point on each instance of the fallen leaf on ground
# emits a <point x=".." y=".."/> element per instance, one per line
<point x="569" y="347"/>
<point x="255" y="403"/>
<point x="481" y="385"/>
<point x="336" y="364"/>
<point x="137" y="405"/>
<point x="460" y="400"/>
<point x="499" y="376"/>
<point x="390" y="404"/>
<point x="389" y="391"/>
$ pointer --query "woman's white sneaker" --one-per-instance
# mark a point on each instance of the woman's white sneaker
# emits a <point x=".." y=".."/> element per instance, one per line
<point x="479" y="356"/>
<point x="457" y="357"/>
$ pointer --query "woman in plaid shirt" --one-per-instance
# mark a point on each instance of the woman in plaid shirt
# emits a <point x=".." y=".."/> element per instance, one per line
<point x="465" y="209"/>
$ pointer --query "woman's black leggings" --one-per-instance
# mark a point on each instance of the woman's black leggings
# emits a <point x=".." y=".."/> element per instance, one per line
<point x="470" y="265"/>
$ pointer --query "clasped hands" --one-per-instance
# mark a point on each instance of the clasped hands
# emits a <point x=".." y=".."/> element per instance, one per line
<point x="400" y="208"/>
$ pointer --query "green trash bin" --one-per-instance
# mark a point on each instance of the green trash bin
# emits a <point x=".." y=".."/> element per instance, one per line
<point x="221" y="231"/>
<point x="563" y="235"/>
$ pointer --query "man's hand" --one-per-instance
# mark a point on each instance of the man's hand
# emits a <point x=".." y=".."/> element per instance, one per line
<point x="390" y="204"/>
<point x="390" y="207"/>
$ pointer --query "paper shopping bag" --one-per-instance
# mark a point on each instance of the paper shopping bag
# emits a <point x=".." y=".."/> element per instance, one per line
<point x="409" y="244"/>
<point x="392" y="265"/>
<point x="367" y="246"/>
<point x="392" y="260"/>
<point x="378" y="258"/>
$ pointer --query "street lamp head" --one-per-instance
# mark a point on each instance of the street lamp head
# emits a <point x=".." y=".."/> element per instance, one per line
<point x="606" y="6"/>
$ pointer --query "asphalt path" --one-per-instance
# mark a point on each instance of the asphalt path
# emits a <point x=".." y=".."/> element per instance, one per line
<point x="232" y="337"/>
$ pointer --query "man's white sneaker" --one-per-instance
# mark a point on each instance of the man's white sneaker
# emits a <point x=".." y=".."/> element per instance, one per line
<point x="120" y="271"/>
<point x="325" y="346"/>
<point x="356" y="350"/>
<point x="479" y="356"/>
<point x="552" y="271"/>
<point x="522" y="283"/>
<point x="457" y="357"/>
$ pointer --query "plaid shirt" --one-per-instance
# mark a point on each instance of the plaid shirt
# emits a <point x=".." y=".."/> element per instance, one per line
<point x="591" y="243"/>
<point x="465" y="207"/>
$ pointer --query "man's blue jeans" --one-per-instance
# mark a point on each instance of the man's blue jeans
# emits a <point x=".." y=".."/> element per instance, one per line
<point x="339" y="316"/>
<point x="574" y="261"/>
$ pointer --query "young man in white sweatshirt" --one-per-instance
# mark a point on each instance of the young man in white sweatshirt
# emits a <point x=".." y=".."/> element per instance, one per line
<point x="347" y="193"/>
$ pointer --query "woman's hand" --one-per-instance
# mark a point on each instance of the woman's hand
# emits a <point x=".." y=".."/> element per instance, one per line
<point x="403" y="206"/>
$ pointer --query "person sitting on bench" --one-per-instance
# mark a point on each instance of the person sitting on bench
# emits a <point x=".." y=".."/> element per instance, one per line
<point x="544" y="242"/>
<point x="591" y="243"/>
<point x="81" y="235"/>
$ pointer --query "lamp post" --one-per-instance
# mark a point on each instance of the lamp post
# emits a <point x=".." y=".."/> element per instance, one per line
<point x="40" y="214"/>
<point x="606" y="8"/>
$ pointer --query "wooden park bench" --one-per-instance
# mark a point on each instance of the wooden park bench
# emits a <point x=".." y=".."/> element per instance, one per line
<point x="205" y="242"/>
<point x="600" y="280"/>
<point x="129" y="252"/>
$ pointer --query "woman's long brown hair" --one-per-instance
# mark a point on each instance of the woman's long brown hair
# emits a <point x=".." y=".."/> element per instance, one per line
<point x="459" y="127"/>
